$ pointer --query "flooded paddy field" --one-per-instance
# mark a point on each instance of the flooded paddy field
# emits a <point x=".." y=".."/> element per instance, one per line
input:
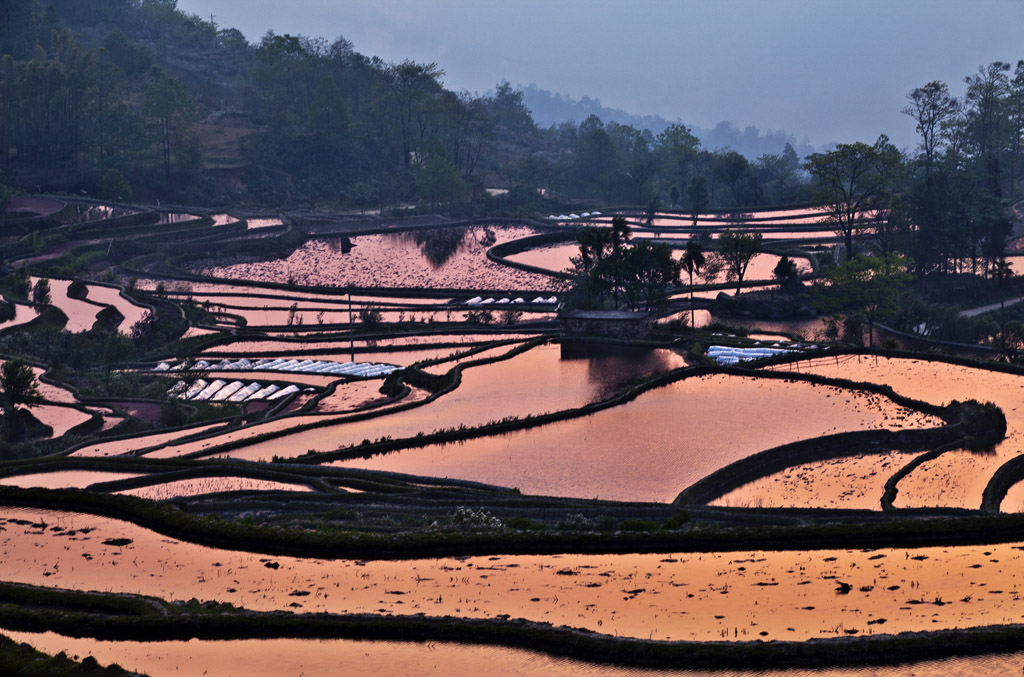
<point x="314" y="657"/>
<point x="956" y="478"/>
<point x="125" y="446"/>
<point x="713" y="597"/>
<point x="208" y="485"/>
<point x="533" y="382"/>
<point x="23" y="314"/>
<point x="65" y="479"/>
<point x="445" y="258"/>
<point x="855" y="482"/>
<point x="81" y="315"/>
<point x="797" y="235"/>
<point x="110" y="296"/>
<point x="636" y="456"/>
<point x="676" y="435"/>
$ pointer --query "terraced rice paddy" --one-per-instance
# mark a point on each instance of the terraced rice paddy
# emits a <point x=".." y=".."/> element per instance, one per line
<point x="273" y="657"/>
<point x="686" y="430"/>
<point x="110" y="296"/>
<point x="712" y="597"/>
<point x="635" y="455"/>
<point x="534" y="382"/>
<point x="66" y="479"/>
<point x="399" y="260"/>
<point x="956" y="478"/>
<point x="81" y="315"/>
<point x="854" y="482"/>
<point x="208" y="485"/>
<point x="23" y="313"/>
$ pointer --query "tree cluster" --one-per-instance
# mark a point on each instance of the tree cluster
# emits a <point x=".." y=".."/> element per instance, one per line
<point x="612" y="272"/>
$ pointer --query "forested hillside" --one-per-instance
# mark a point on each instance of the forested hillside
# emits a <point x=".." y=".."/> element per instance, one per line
<point x="137" y="99"/>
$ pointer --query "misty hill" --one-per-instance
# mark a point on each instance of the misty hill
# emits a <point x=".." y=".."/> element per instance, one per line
<point x="550" y="108"/>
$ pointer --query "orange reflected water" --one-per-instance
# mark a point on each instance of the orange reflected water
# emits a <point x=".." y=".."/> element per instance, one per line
<point x="117" y="447"/>
<point x="65" y="479"/>
<point x="348" y="396"/>
<point x="652" y="448"/>
<point x="1014" y="500"/>
<point x="209" y="485"/>
<point x="312" y="657"/>
<point x="852" y="482"/>
<point x="202" y="291"/>
<point x="533" y="382"/>
<point x="708" y="597"/>
<point x="956" y="478"/>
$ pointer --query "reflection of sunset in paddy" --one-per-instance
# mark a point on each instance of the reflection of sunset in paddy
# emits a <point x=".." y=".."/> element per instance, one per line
<point x="710" y="596"/>
<point x="676" y="434"/>
<point x="851" y="482"/>
<point x="275" y="657"/>
<point x="956" y="478"/>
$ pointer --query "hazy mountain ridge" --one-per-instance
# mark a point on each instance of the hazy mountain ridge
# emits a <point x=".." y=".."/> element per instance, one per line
<point x="550" y="108"/>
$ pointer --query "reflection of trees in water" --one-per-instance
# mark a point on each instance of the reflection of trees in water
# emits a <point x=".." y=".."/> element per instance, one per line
<point x="440" y="245"/>
<point x="341" y="245"/>
<point x="612" y="368"/>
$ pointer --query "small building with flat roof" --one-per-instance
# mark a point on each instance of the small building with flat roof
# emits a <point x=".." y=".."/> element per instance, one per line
<point x="620" y="324"/>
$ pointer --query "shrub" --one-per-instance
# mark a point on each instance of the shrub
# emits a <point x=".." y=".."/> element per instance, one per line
<point x="676" y="521"/>
<point x="114" y="186"/>
<point x="525" y="524"/>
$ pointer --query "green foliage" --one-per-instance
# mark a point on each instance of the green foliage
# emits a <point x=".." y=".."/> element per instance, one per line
<point x="849" y="182"/>
<point x="18" y="385"/>
<point x="438" y="181"/>
<point x="169" y="103"/>
<point x="41" y="292"/>
<point x="525" y="524"/>
<point x="610" y="269"/>
<point x="700" y="198"/>
<point x="511" y="316"/>
<point x="737" y="249"/>
<point x="785" y="272"/>
<point x="677" y="521"/>
<point x="20" y="283"/>
<point x="173" y="414"/>
<point x="482" y="316"/>
<point x="22" y="659"/>
<point x="370" y="317"/>
<point x="867" y="287"/>
<point x="114" y="186"/>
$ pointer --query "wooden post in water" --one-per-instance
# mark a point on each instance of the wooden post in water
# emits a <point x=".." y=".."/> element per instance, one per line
<point x="351" y="338"/>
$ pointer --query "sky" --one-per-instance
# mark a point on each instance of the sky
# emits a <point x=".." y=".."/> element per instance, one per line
<point x="834" y="71"/>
